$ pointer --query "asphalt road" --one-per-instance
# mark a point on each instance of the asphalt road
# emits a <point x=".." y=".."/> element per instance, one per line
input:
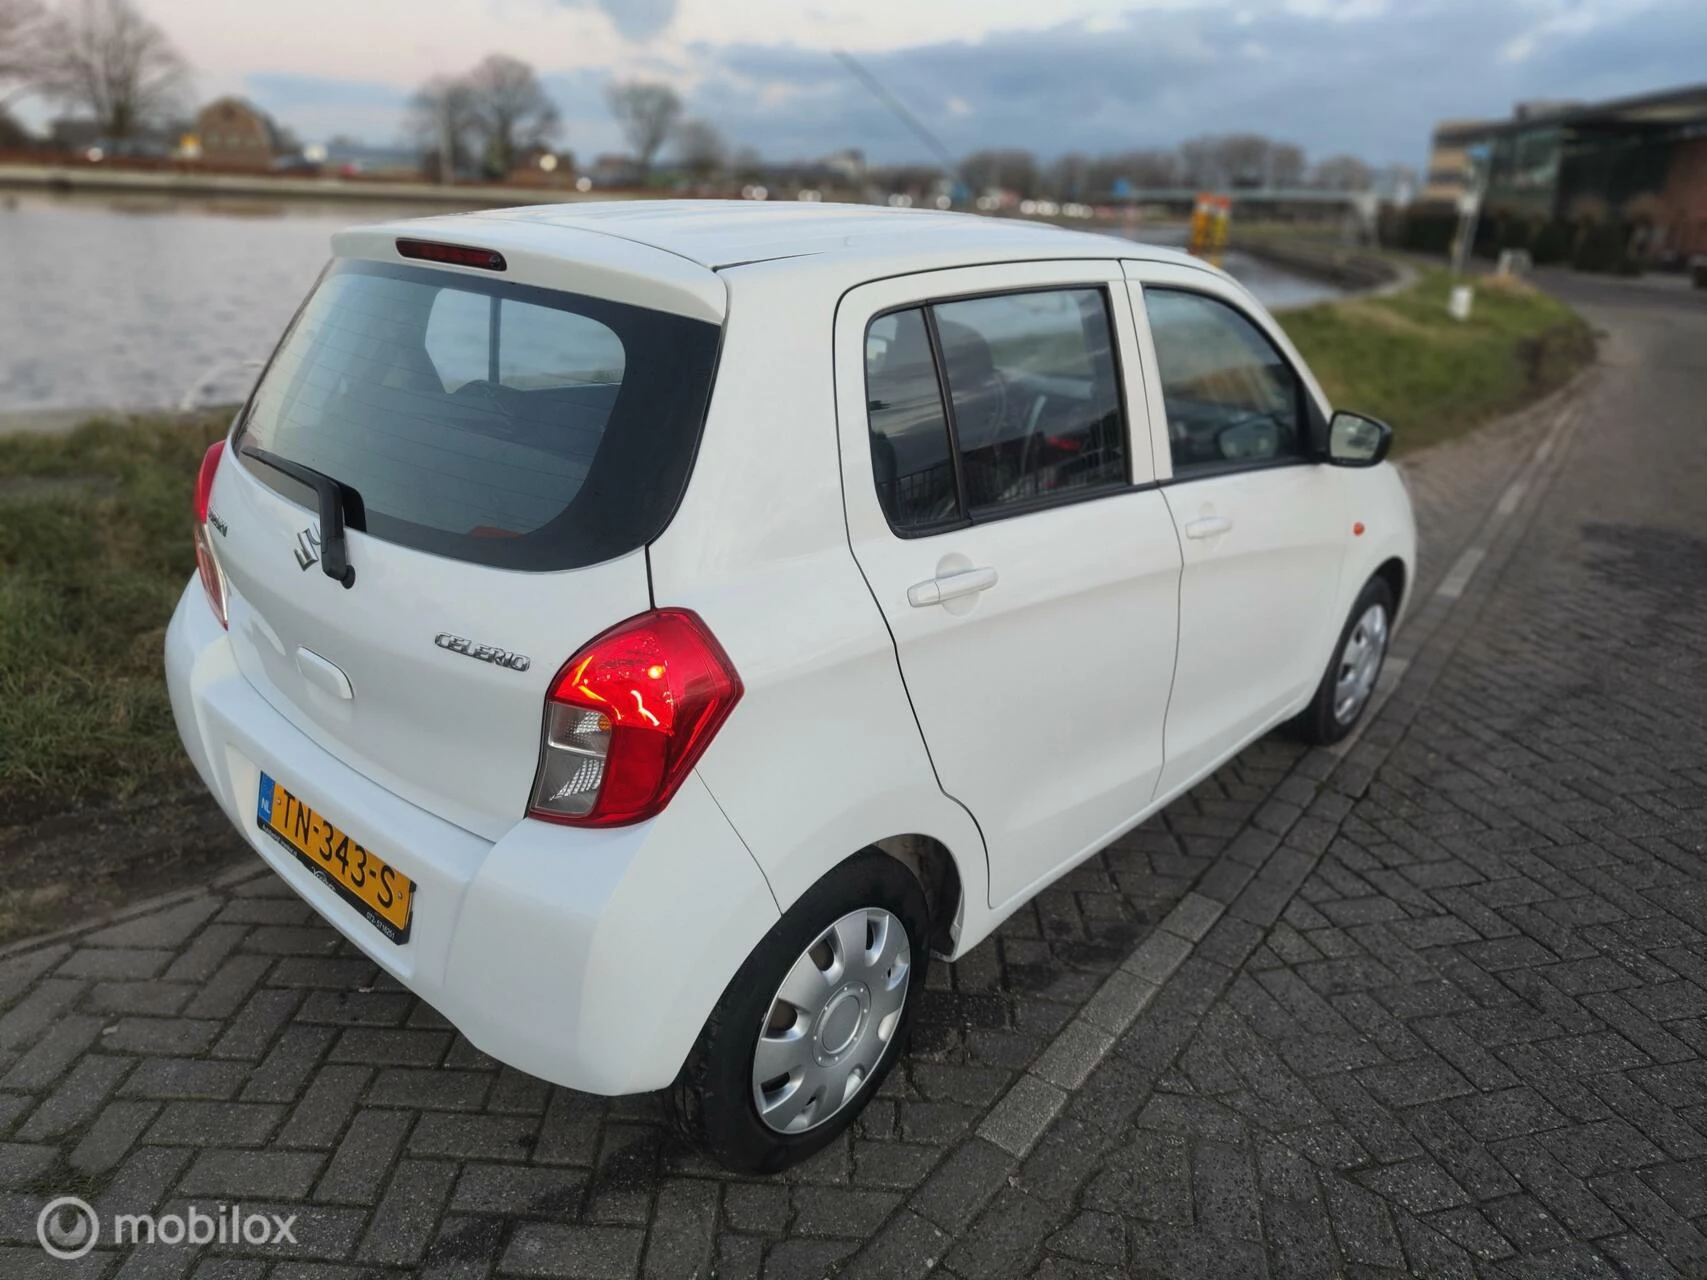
<point x="1432" y="1004"/>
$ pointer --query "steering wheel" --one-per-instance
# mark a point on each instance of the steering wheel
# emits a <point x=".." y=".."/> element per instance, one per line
<point x="1253" y="436"/>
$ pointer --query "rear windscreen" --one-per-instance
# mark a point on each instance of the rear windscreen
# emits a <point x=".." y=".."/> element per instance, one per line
<point x="487" y="421"/>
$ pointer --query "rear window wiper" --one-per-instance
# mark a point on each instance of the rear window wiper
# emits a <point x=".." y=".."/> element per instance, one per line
<point x="339" y="504"/>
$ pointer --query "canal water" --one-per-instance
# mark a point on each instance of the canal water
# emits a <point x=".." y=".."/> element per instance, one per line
<point x="165" y="305"/>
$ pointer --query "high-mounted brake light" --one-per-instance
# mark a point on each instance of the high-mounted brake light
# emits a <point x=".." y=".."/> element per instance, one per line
<point x="458" y="255"/>
<point x="628" y="716"/>
<point x="207" y="563"/>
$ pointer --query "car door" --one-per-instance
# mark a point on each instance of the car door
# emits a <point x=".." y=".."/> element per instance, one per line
<point x="1261" y="522"/>
<point x="1012" y="536"/>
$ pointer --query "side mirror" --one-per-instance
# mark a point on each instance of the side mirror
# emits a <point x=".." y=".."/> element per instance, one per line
<point x="1357" y="441"/>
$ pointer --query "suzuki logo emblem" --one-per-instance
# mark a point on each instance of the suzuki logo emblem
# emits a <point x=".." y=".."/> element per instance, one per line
<point x="308" y="548"/>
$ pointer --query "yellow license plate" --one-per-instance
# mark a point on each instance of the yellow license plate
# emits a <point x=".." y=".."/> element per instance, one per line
<point x="383" y="895"/>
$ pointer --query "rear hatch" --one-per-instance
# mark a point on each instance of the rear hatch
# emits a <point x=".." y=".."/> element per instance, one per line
<point x="503" y="454"/>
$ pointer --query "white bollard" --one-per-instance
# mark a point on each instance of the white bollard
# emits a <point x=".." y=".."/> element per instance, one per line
<point x="1458" y="305"/>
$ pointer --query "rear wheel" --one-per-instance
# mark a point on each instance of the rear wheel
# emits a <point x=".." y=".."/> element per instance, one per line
<point x="1349" y="682"/>
<point x="812" y="1022"/>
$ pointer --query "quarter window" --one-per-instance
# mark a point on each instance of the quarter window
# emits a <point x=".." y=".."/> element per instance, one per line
<point x="1032" y="412"/>
<point x="910" y="453"/>
<point x="1231" y="398"/>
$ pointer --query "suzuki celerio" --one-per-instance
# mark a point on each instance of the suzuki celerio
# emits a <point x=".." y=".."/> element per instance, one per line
<point x="652" y="631"/>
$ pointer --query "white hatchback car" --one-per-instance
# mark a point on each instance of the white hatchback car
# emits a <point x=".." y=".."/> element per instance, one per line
<point x="650" y="631"/>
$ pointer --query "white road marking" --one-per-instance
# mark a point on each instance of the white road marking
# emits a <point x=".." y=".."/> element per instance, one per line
<point x="1462" y="571"/>
<point x="1513" y="495"/>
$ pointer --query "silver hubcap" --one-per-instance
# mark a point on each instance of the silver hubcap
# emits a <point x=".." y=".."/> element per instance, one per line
<point x="831" y="1020"/>
<point x="1360" y="664"/>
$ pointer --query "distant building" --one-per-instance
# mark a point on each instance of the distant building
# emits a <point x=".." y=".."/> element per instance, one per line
<point x="1554" y="160"/>
<point x="234" y="134"/>
<point x="1451" y="169"/>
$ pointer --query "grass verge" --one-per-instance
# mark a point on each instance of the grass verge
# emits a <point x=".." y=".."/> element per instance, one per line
<point x="1401" y="358"/>
<point x="94" y="549"/>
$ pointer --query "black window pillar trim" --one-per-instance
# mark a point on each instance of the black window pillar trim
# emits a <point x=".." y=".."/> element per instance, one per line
<point x="963" y="507"/>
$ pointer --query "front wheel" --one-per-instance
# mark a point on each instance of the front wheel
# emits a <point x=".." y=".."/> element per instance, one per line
<point x="812" y="1022"/>
<point x="1349" y="682"/>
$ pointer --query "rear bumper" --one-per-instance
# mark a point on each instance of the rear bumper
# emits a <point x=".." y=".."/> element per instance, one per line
<point x="588" y="958"/>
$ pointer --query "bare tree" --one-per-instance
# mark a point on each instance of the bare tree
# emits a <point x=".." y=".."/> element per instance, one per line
<point x="1223" y="160"/>
<point x="1144" y="170"/>
<point x="21" y="27"/>
<point x="647" y="114"/>
<point x="747" y="165"/>
<point x="1005" y="169"/>
<point x="1286" y="165"/>
<point x="13" y="135"/>
<point x="510" y="110"/>
<point x="105" y="56"/>
<point x="1068" y="178"/>
<point x="700" y="148"/>
<point x="1342" y="173"/>
<point x="441" y="119"/>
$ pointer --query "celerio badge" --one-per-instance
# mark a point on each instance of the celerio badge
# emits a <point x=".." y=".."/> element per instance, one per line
<point x="484" y="652"/>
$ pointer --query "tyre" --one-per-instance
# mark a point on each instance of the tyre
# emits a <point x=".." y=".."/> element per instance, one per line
<point x="1349" y="682"/>
<point x="811" y="1023"/>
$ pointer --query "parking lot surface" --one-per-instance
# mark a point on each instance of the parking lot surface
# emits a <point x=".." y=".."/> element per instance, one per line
<point x="1431" y="1003"/>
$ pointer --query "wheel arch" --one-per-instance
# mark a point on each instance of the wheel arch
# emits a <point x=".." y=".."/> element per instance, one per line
<point x="938" y="874"/>
<point x="1392" y="572"/>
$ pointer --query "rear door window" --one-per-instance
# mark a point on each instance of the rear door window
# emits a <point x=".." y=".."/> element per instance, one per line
<point x="485" y="420"/>
<point x="1032" y="413"/>
<point x="1033" y="383"/>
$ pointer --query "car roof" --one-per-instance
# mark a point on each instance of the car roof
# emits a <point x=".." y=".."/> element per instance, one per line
<point x="680" y="255"/>
<point x="724" y="233"/>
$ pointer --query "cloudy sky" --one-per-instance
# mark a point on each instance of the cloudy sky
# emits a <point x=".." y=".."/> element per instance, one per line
<point x="1363" y="76"/>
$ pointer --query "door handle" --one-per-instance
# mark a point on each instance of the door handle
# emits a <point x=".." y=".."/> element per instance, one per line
<point x="1208" y="527"/>
<point x="950" y="586"/>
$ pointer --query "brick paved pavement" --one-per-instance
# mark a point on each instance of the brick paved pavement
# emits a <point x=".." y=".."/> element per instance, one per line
<point x="1452" y="1015"/>
<point x="1472" y="1041"/>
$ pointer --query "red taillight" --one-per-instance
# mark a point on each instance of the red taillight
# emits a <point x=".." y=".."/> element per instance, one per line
<point x="628" y="716"/>
<point x="207" y="564"/>
<point x="204" y="478"/>
<point x="458" y="255"/>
